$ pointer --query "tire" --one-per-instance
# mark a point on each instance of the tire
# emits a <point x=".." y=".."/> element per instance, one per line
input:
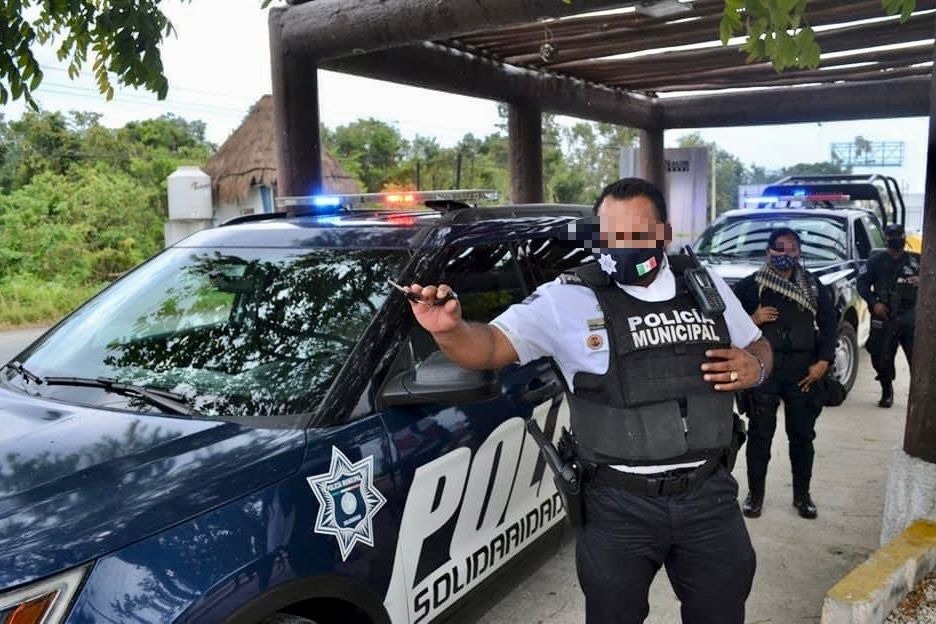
<point x="287" y="618"/>
<point x="845" y="362"/>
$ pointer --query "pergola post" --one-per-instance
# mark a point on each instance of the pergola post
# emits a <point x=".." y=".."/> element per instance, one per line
<point x="651" y="157"/>
<point x="296" y="116"/>
<point x="525" y="139"/>
<point x="911" y="484"/>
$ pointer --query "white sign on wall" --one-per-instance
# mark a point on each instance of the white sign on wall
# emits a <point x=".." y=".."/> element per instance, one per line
<point x="686" y="189"/>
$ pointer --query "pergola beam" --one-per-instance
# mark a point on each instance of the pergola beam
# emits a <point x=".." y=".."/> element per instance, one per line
<point x="918" y="27"/>
<point x="829" y="71"/>
<point x="827" y="78"/>
<point x="434" y="66"/>
<point x="626" y="39"/>
<point x="327" y="29"/>
<point x="904" y="97"/>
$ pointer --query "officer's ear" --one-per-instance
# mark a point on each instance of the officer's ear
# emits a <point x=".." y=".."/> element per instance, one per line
<point x="666" y="234"/>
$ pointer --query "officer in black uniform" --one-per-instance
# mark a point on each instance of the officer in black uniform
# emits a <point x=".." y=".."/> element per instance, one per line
<point x="797" y="315"/>
<point x="651" y="382"/>
<point x="889" y="282"/>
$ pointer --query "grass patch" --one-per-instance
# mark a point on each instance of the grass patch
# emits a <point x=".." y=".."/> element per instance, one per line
<point x="26" y="301"/>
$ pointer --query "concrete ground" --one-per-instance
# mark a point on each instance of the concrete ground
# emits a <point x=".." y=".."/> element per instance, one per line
<point x="797" y="560"/>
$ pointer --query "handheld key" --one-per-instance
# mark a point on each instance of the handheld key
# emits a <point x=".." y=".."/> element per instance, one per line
<point x="417" y="299"/>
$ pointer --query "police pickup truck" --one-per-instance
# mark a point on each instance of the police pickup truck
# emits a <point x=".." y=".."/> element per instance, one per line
<point x="250" y="428"/>
<point x="840" y="220"/>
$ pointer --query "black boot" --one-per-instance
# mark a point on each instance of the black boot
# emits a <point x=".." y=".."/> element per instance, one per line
<point x="887" y="394"/>
<point x="753" y="505"/>
<point x="805" y="506"/>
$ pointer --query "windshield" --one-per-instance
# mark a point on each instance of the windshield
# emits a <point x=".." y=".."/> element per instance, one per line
<point x="240" y="332"/>
<point x="825" y="239"/>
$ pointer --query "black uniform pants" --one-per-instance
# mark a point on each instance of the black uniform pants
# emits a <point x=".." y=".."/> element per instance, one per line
<point x="699" y="535"/>
<point x="883" y="349"/>
<point x="800" y="412"/>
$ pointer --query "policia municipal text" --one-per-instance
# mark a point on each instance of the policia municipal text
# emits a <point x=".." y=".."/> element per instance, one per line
<point x="651" y="384"/>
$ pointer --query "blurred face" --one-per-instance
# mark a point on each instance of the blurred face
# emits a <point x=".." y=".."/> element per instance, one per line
<point x="896" y="241"/>
<point x="784" y="246"/>
<point x="631" y="223"/>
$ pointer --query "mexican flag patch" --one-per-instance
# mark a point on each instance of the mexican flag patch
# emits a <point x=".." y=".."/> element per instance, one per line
<point x="645" y="267"/>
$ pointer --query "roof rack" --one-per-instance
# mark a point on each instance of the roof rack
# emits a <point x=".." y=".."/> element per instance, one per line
<point x="830" y="178"/>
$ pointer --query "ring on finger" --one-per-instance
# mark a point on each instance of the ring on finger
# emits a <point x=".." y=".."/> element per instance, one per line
<point x="733" y="375"/>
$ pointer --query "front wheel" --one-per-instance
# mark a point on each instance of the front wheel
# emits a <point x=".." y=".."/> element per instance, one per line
<point x="845" y="362"/>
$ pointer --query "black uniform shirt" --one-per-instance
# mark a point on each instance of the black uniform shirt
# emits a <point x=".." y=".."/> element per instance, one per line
<point x="879" y="275"/>
<point x="826" y="317"/>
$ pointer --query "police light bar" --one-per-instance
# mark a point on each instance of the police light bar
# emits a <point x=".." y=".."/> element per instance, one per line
<point x="392" y="199"/>
<point x="769" y="199"/>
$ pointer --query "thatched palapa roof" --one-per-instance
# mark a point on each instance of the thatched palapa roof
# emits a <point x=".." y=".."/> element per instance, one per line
<point x="248" y="157"/>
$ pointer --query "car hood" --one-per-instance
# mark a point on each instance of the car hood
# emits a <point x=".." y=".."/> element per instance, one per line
<point x="76" y="483"/>
<point x="734" y="271"/>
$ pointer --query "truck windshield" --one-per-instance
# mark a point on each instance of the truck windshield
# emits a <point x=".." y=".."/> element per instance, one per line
<point x="242" y="333"/>
<point x="825" y="239"/>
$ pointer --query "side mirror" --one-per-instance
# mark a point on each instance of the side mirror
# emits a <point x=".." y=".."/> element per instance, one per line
<point x="438" y="380"/>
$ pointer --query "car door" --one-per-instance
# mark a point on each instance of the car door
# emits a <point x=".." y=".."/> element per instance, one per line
<point x="472" y="489"/>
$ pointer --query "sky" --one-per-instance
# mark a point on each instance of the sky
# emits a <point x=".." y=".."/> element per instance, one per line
<point x="218" y="65"/>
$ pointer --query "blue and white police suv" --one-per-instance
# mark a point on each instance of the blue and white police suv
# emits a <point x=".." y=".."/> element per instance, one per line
<point x="249" y="427"/>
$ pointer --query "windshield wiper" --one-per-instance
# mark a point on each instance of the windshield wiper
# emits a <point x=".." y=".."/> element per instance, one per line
<point x="25" y="372"/>
<point x="171" y="402"/>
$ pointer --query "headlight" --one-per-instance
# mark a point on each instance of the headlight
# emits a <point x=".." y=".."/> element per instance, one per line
<point x="44" y="602"/>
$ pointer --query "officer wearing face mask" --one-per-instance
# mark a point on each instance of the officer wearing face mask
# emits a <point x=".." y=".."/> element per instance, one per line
<point x="889" y="282"/>
<point x="797" y="315"/>
<point x="650" y="382"/>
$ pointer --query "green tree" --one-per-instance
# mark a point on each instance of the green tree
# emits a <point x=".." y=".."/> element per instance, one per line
<point x="815" y="168"/>
<point x="369" y="149"/>
<point x="779" y="30"/>
<point x="123" y="39"/>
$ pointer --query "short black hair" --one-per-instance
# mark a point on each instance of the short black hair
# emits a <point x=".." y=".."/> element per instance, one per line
<point x="894" y="229"/>
<point x="628" y="188"/>
<point x="783" y="231"/>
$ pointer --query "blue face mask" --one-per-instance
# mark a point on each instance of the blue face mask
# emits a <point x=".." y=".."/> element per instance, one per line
<point x="629" y="265"/>
<point x="784" y="262"/>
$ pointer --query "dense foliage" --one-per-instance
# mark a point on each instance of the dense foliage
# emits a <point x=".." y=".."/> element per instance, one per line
<point x="81" y="203"/>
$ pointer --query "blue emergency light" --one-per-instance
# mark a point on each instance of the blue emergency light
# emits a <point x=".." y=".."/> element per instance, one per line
<point x="326" y="201"/>
<point x="395" y="200"/>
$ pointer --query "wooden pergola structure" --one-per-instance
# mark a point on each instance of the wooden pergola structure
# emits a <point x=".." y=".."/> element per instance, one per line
<point x="627" y="63"/>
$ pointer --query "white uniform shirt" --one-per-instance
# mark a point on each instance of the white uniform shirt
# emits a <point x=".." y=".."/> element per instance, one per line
<point x="554" y="322"/>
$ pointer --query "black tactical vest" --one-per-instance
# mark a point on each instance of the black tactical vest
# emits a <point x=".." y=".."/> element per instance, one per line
<point x="794" y="331"/>
<point x="894" y="283"/>
<point x="652" y="406"/>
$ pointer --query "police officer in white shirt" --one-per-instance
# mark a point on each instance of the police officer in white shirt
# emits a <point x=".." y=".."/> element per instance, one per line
<point x="651" y="382"/>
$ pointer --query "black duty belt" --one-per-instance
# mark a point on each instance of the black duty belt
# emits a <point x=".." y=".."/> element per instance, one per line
<point x="662" y="484"/>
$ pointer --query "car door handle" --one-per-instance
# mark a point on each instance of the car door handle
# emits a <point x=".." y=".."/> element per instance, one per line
<point x="541" y="393"/>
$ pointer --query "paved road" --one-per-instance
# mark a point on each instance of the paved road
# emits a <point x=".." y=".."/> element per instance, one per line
<point x="12" y="342"/>
<point x="798" y="560"/>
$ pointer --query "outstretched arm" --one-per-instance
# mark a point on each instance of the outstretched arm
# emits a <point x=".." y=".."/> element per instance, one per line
<point x="474" y="346"/>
